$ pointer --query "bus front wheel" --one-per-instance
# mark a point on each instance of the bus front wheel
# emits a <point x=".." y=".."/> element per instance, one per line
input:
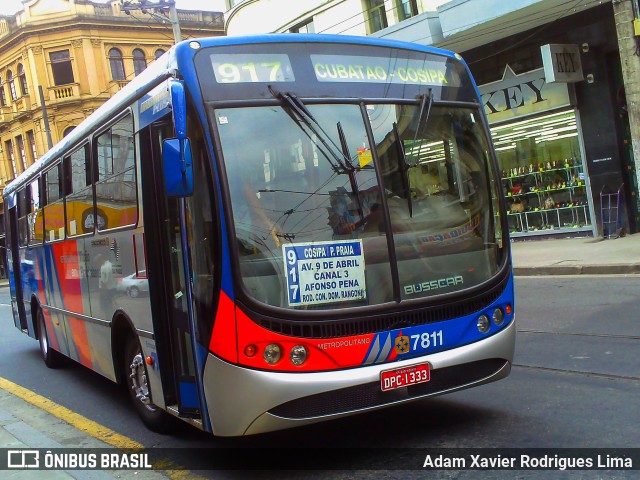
<point x="136" y="377"/>
<point x="52" y="358"/>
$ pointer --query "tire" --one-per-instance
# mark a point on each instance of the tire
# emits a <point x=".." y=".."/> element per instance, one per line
<point x="135" y="376"/>
<point x="134" y="292"/>
<point x="52" y="358"/>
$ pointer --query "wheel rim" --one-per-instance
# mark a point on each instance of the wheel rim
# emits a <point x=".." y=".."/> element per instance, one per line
<point x="139" y="384"/>
<point x="44" y="343"/>
<point x="133" y="292"/>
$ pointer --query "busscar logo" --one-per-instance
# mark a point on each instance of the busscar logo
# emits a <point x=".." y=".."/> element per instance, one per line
<point x="23" y="459"/>
<point x="433" y="285"/>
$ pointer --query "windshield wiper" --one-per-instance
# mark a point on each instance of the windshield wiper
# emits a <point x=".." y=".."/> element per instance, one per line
<point x="403" y="164"/>
<point x="423" y="105"/>
<point x="352" y="175"/>
<point x="403" y="167"/>
<point x="301" y="115"/>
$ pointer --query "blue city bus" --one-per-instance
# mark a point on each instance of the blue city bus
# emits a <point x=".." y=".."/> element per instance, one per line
<point x="263" y="232"/>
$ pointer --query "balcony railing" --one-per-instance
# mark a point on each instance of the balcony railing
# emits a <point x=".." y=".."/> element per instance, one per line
<point x="64" y="92"/>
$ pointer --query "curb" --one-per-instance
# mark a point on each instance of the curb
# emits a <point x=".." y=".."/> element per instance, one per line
<point x="612" y="269"/>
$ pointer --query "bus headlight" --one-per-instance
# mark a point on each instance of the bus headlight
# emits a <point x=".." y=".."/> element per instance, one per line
<point x="272" y="353"/>
<point x="498" y="317"/>
<point x="298" y="355"/>
<point x="483" y="323"/>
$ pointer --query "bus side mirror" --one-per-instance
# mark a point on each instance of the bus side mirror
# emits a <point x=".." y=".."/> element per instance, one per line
<point x="176" y="152"/>
<point x="178" y="167"/>
<point x="178" y="108"/>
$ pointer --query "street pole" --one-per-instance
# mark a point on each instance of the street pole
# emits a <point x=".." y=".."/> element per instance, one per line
<point x="45" y="118"/>
<point x="175" y="25"/>
<point x="629" y="46"/>
<point x="152" y="9"/>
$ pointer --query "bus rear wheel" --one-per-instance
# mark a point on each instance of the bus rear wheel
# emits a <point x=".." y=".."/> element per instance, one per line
<point x="136" y="377"/>
<point x="52" y="359"/>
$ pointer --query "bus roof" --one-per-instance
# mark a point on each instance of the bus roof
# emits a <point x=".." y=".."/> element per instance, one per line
<point x="167" y="65"/>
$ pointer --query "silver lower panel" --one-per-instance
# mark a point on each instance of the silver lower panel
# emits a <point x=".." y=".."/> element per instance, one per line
<point x="240" y="399"/>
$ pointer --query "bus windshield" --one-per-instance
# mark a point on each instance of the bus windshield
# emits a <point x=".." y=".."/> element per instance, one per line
<point x="327" y="215"/>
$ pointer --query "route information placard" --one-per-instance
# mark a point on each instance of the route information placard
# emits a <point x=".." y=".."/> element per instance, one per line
<point x="324" y="272"/>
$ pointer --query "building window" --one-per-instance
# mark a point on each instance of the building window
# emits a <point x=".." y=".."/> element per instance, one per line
<point x="139" y="61"/>
<point x="12" y="86"/>
<point x="61" y="67"/>
<point x="3" y="96"/>
<point x="31" y="143"/>
<point x="22" y="152"/>
<point x="407" y="9"/>
<point x="377" y="15"/>
<point x="68" y="130"/>
<point x="304" y="27"/>
<point x="116" y="63"/>
<point x="543" y="174"/>
<point x="22" y="78"/>
<point x="159" y="53"/>
<point x="8" y="146"/>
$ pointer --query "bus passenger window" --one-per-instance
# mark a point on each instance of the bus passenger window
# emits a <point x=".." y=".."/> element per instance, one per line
<point x="116" y="191"/>
<point x="24" y="201"/>
<point x="79" y="194"/>
<point x="34" y="216"/>
<point x="54" y="208"/>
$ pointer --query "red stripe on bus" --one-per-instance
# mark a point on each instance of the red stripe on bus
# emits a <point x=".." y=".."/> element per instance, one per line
<point x="224" y="342"/>
<point x="322" y="353"/>
<point x="68" y="268"/>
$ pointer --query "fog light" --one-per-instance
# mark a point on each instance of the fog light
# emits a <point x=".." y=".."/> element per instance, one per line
<point x="250" y="350"/>
<point x="272" y="353"/>
<point x="298" y="355"/>
<point x="483" y="323"/>
<point x="498" y="317"/>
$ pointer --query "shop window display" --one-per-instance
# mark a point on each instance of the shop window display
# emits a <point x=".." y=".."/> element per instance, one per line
<point x="543" y="175"/>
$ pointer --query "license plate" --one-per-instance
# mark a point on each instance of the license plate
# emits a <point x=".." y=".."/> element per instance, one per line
<point x="403" y="377"/>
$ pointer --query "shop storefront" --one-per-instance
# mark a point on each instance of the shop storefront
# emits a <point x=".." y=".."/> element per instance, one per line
<point x="536" y="132"/>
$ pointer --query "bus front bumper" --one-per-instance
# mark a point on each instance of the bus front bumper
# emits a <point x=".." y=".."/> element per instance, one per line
<point x="243" y="401"/>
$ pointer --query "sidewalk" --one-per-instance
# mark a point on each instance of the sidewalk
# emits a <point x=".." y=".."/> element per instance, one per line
<point x="24" y="426"/>
<point x="575" y="256"/>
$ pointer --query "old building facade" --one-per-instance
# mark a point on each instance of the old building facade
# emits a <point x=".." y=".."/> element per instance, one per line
<point x="61" y="59"/>
<point x="77" y="53"/>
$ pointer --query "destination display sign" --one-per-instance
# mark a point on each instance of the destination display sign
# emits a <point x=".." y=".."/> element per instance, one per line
<point x="324" y="272"/>
<point x="252" y="68"/>
<point x="366" y="69"/>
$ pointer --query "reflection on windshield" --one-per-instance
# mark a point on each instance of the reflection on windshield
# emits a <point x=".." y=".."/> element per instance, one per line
<point x="440" y="194"/>
<point x="309" y="208"/>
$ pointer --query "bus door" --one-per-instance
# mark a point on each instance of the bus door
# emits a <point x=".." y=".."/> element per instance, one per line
<point x="14" y="271"/>
<point x="168" y="280"/>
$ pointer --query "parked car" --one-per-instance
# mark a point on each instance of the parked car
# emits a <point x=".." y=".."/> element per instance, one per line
<point x="135" y="284"/>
